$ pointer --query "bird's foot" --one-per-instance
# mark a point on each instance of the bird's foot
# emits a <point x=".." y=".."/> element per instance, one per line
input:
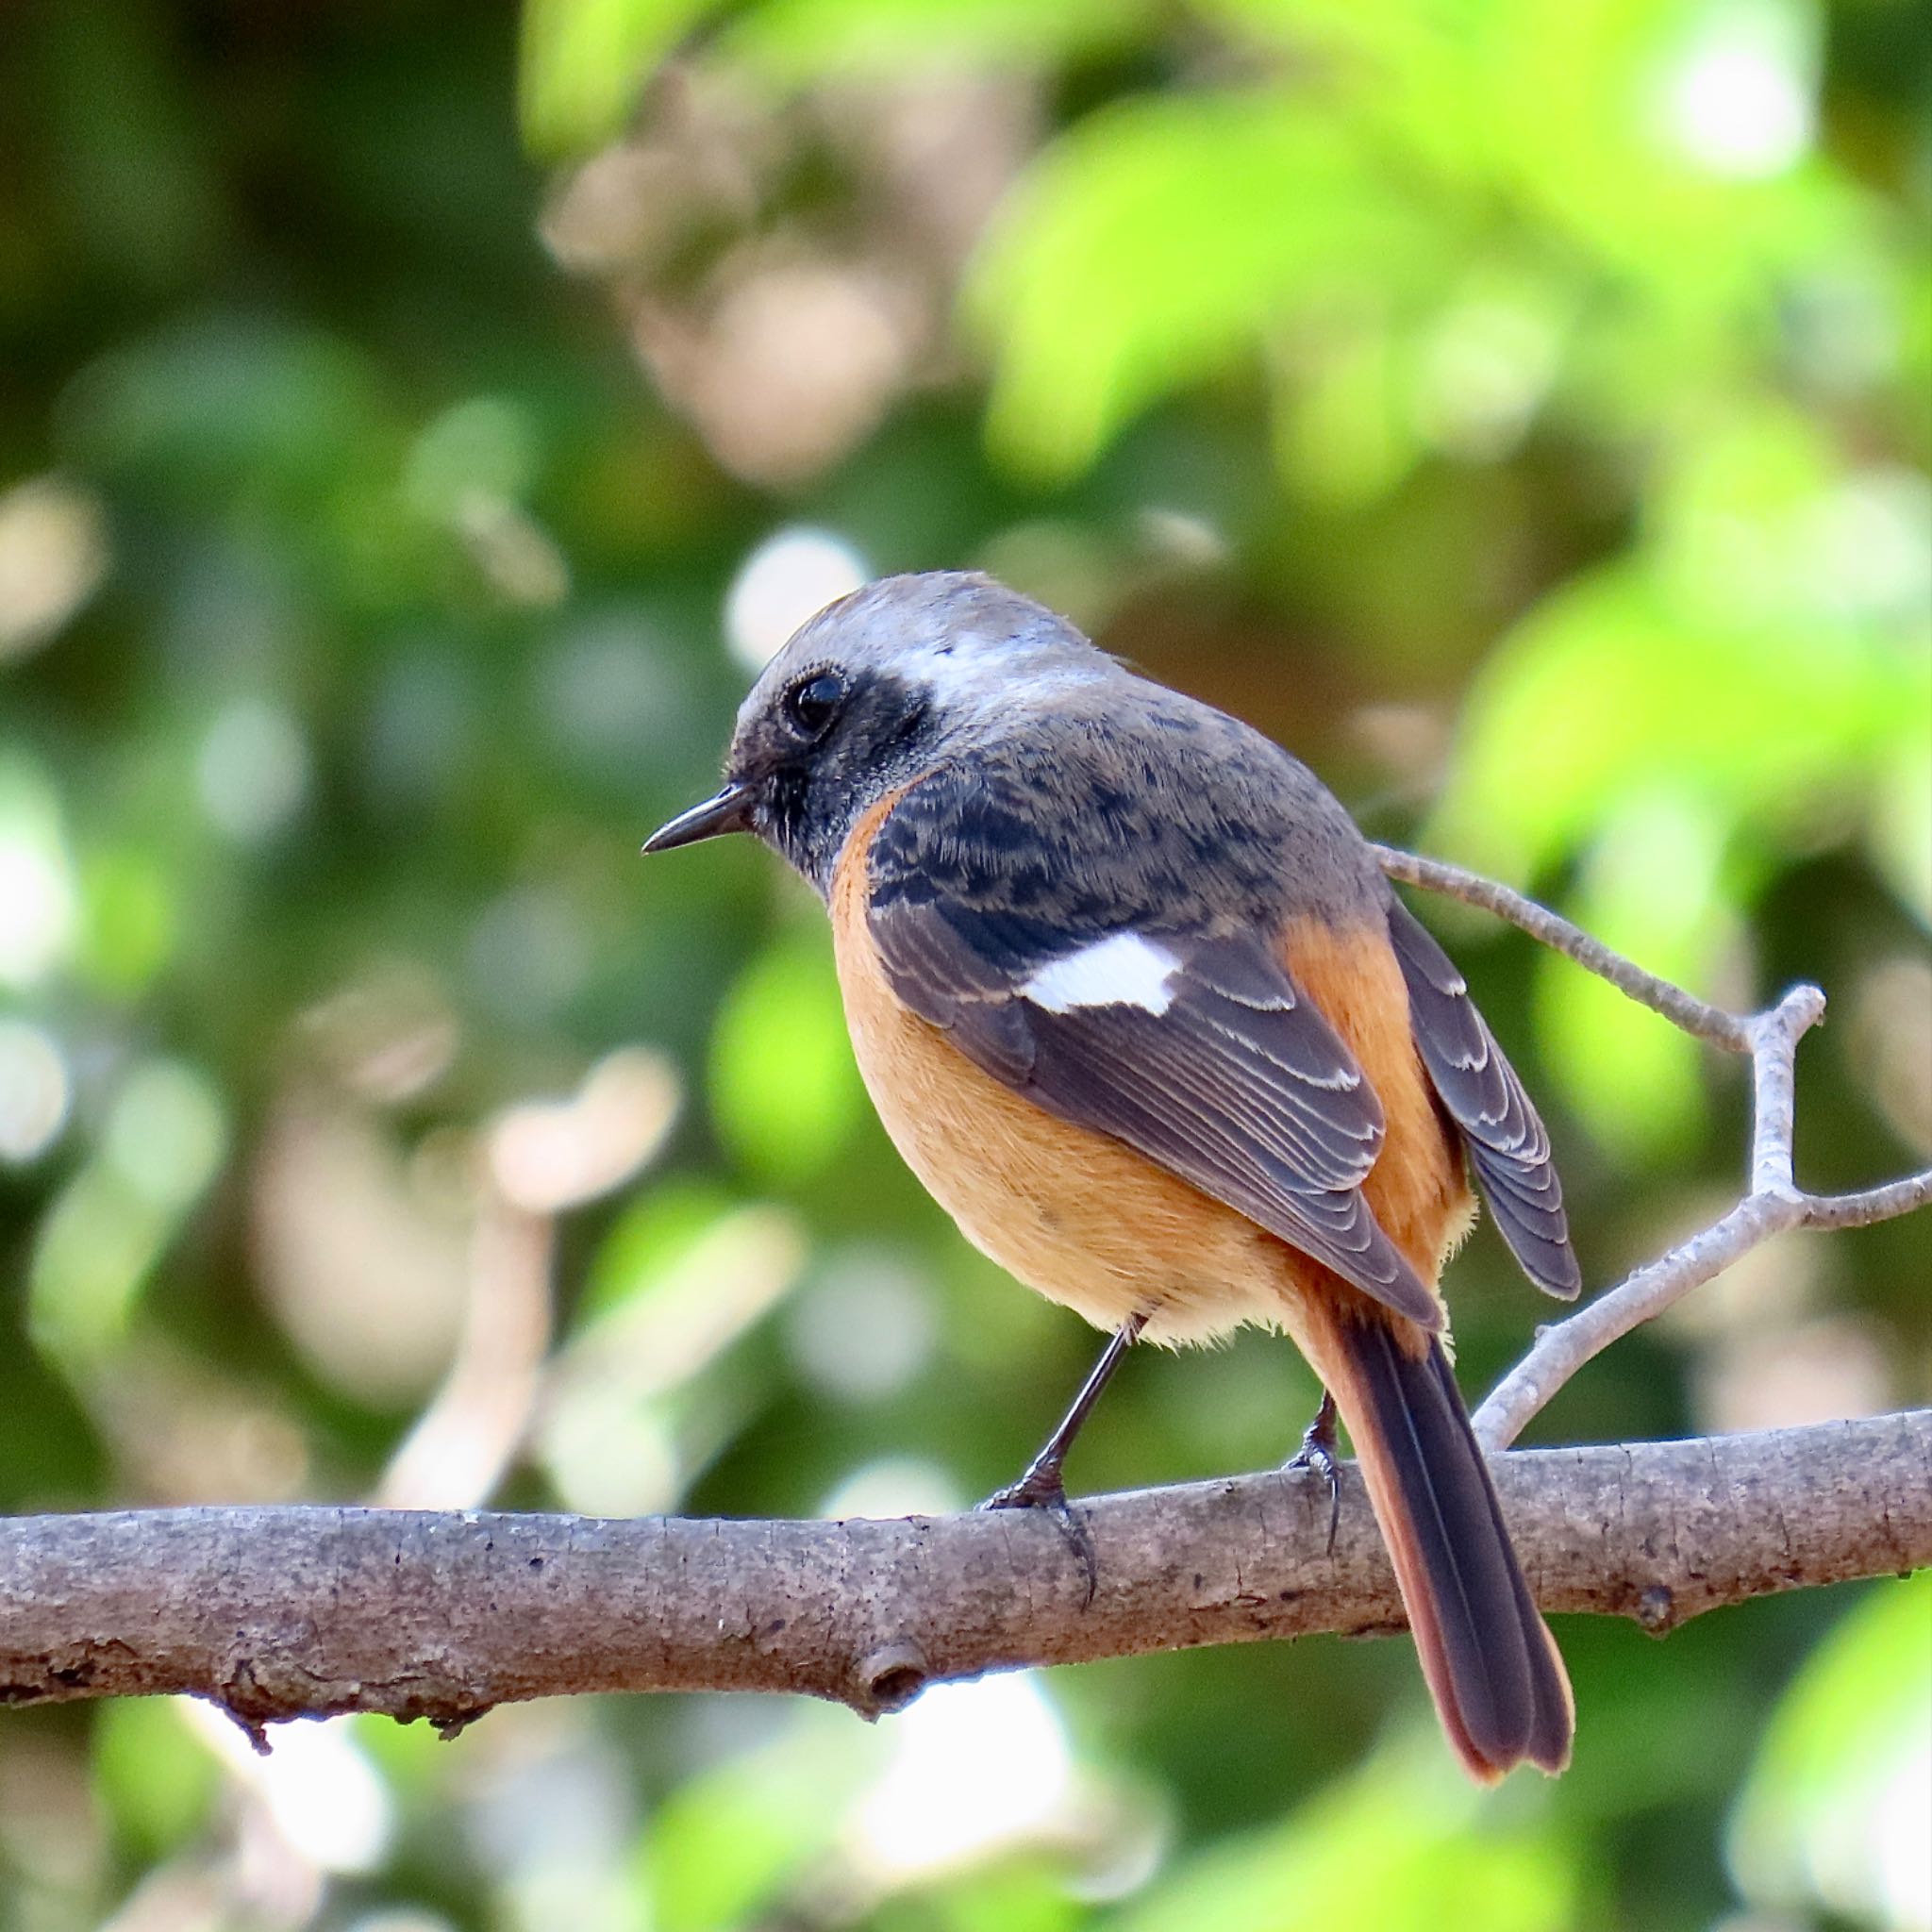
<point x="1317" y="1453"/>
<point x="1041" y="1488"/>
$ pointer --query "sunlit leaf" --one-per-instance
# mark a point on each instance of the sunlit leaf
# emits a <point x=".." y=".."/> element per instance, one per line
<point x="1397" y="1846"/>
<point x="582" y="62"/>
<point x="1153" y="244"/>
<point x="1414" y="70"/>
<point x="806" y="39"/>
<point x="1608" y="118"/>
<point x="1609" y="687"/>
<point x="1653" y="891"/>
<point x="1902" y="828"/>
<point x="1833" y="1814"/>
<point x="1342" y="431"/>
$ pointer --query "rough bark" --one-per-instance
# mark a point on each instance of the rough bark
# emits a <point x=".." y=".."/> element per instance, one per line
<point x="282" y="1612"/>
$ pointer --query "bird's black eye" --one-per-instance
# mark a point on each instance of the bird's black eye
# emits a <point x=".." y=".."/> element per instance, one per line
<point x="812" y="703"/>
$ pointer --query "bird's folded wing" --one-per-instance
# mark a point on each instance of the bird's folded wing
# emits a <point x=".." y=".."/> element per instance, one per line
<point x="1197" y="1051"/>
<point x="1508" y="1145"/>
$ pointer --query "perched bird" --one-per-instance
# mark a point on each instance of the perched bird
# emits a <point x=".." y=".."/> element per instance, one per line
<point x="1138" y="1006"/>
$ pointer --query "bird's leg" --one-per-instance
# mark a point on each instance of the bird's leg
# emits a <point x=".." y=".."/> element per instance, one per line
<point x="1044" y="1485"/>
<point x="1317" y="1453"/>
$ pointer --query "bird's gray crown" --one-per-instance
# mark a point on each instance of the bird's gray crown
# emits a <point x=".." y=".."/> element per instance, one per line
<point x="961" y="638"/>
<point x="906" y="673"/>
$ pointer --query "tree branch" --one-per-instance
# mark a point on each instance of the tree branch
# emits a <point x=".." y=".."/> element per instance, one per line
<point x="1774" y="1203"/>
<point x="275" y="1614"/>
<point x="281" y="1612"/>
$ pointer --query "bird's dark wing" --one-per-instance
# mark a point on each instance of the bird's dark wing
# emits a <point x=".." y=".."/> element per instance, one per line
<point x="1508" y="1145"/>
<point x="1195" y="1050"/>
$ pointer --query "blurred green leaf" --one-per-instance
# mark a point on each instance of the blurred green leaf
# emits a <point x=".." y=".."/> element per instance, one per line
<point x="1610" y="688"/>
<point x="414" y="1762"/>
<point x="583" y="62"/>
<point x="165" y="1139"/>
<point x="1152" y="243"/>
<point x="484" y="447"/>
<point x="1674" y="721"/>
<point x="724" y="1846"/>
<point x="130" y="918"/>
<point x="785" y="1090"/>
<point x="217" y="409"/>
<point x="651" y="1237"/>
<point x="1416" y="71"/>
<point x="1400" y="1845"/>
<point x="678" y="1281"/>
<point x="1343" y="432"/>
<point x="1833" y="1816"/>
<point x="38" y="893"/>
<point x="683" y="1275"/>
<point x="1019" y="1895"/>
<point x="1654" y="890"/>
<point x="155" y="1778"/>
<point x="1902" y="831"/>
<point x="800" y="40"/>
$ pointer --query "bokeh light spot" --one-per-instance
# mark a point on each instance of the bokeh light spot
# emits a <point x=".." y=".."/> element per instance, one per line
<point x="38" y="901"/>
<point x="253" y="770"/>
<point x="35" y="1091"/>
<point x="1740" y="102"/>
<point x="976" y="1767"/>
<point x="53" y="555"/>
<point x="788" y="577"/>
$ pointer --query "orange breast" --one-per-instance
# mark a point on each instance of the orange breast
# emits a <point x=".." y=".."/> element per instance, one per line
<point x="1084" y="1219"/>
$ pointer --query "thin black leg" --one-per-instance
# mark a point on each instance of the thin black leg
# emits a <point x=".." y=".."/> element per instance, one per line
<point x="1044" y="1485"/>
<point x="1318" y="1454"/>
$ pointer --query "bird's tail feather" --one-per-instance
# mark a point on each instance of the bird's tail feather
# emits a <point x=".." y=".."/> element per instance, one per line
<point x="1491" y="1665"/>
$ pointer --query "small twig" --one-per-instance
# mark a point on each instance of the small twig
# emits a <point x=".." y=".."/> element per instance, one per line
<point x="1681" y="1008"/>
<point x="1774" y="1203"/>
<point x="1870" y="1205"/>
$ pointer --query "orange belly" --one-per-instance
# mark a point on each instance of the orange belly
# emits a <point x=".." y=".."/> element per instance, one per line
<point x="1088" y="1222"/>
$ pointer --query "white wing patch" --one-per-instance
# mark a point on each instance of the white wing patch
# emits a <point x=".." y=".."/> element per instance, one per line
<point x="1122" y="970"/>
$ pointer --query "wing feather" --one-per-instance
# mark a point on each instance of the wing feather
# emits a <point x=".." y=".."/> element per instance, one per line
<point x="1237" y="1085"/>
<point x="1509" y="1146"/>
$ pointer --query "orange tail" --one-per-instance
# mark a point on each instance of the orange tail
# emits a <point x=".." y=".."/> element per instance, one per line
<point x="1492" y="1667"/>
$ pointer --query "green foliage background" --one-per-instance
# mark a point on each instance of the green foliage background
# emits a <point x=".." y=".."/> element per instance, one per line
<point x="1522" y="410"/>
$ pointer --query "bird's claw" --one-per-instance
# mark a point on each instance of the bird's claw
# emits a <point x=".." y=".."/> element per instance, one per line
<point x="1042" y="1489"/>
<point x="1317" y="1454"/>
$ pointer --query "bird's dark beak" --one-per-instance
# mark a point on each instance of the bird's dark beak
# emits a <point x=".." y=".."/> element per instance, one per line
<point x="728" y="811"/>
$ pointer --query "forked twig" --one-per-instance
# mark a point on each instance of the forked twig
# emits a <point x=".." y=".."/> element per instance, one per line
<point x="1773" y="1202"/>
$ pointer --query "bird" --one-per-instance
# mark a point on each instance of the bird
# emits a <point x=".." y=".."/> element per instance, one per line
<point x="1134" y="999"/>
